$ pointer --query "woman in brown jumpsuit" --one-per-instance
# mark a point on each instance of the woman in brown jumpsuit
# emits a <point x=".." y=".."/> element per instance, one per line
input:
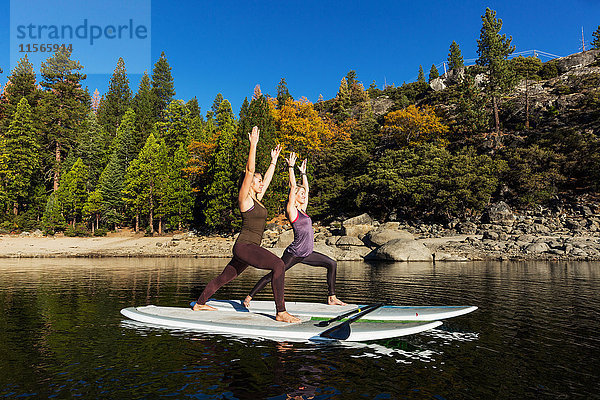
<point x="247" y="250"/>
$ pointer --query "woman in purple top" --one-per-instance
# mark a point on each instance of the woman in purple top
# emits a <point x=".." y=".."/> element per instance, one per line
<point x="301" y="249"/>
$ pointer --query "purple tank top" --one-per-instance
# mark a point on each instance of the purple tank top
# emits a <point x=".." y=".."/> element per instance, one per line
<point x="304" y="236"/>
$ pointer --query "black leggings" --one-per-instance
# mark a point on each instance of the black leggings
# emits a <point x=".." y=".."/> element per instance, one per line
<point x="315" y="259"/>
<point x="245" y="254"/>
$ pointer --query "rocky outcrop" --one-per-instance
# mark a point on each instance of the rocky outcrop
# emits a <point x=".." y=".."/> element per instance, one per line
<point x="577" y="60"/>
<point x="499" y="213"/>
<point x="451" y="77"/>
<point x="382" y="235"/>
<point x="349" y="241"/>
<point x="437" y="84"/>
<point x="285" y="238"/>
<point x="403" y="250"/>
<point x="381" y="105"/>
<point x="358" y="226"/>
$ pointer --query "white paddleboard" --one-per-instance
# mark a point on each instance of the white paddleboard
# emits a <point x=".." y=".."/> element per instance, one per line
<point x="264" y="325"/>
<point x="319" y="310"/>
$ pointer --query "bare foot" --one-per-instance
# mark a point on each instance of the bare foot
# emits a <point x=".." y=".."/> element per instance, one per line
<point x="334" y="301"/>
<point x="203" y="307"/>
<point x="247" y="301"/>
<point x="285" y="316"/>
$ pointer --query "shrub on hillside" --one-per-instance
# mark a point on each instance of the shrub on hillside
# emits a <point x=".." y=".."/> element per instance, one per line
<point x="79" y="230"/>
<point x="100" y="232"/>
<point x="549" y="70"/>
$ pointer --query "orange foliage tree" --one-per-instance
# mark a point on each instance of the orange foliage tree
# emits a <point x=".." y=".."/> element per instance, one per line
<point x="414" y="125"/>
<point x="199" y="162"/>
<point x="302" y="130"/>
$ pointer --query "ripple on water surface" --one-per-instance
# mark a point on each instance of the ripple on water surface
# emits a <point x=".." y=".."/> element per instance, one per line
<point x="535" y="334"/>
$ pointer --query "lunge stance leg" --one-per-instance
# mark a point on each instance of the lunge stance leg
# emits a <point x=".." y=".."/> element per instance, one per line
<point x="288" y="260"/>
<point x="232" y="270"/>
<point x="262" y="258"/>
<point x="321" y="260"/>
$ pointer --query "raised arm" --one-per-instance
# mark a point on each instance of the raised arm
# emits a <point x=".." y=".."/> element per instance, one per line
<point x="291" y="209"/>
<point x="302" y="169"/>
<point x="270" y="171"/>
<point x="244" y="200"/>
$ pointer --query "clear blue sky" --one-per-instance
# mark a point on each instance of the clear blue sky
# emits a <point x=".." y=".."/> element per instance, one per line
<point x="230" y="46"/>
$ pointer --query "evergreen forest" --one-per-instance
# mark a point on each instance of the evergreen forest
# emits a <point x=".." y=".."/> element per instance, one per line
<point x="83" y="163"/>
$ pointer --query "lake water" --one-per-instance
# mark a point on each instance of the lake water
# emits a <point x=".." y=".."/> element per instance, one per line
<point x="536" y="334"/>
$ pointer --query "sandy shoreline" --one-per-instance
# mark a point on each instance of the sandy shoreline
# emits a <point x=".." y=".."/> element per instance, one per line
<point x="14" y="246"/>
<point x="132" y="245"/>
<point x="447" y="248"/>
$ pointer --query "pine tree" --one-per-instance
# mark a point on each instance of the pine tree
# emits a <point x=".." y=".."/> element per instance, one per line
<point x="110" y="186"/>
<point x="341" y="108"/>
<point x="92" y="209"/>
<point x="283" y="94"/>
<point x="53" y="219"/>
<point x="351" y="79"/>
<point x="37" y="198"/>
<point x="193" y="107"/>
<point x="356" y="89"/>
<point x="258" y="114"/>
<point x="116" y="101"/>
<point x="216" y="104"/>
<point x="319" y="105"/>
<point x="421" y="76"/>
<point x="143" y="105"/>
<point x="174" y="129"/>
<point x="178" y="200"/>
<point x="471" y="117"/>
<point x="112" y="179"/>
<point x="222" y="194"/>
<point x="433" y="73"/>
<point x="455" y="59"/>
<point x="21" y="84"/>
<point x="63" y="107"/>
<point x="493" y="50"/>
<point x="196" y="129"/>
<point x="224" y="115"/>
<point x="72" y="193"/>
<point x="244" y="109"/>
<point x="124" y="142"/>
<point x="163" y="89"/>
<point x="96" y="101"/>
<point x="241" y="138"/>
<point x="92" y="147"/>
<point x="19" y="159"/>
<point x="257" y="93"/>
<point x="526" y="67"/>
<point x="146" y="178"/>
<point x="596" y="42"/>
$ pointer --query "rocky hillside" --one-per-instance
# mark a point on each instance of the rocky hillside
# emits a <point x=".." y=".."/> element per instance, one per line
<point x="572" y="96"/>
<point x="571" y="99"/>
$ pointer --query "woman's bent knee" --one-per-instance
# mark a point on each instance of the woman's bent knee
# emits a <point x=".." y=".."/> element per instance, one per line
<point x="278" y="265"/>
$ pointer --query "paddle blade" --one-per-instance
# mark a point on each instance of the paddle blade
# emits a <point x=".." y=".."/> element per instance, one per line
<point x="339" y="332"/>
<point x="342" y="331"/>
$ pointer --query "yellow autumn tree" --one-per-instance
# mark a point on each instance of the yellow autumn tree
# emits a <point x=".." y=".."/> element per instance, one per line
<point x="302" y="130"/>
<point x="414" y="125"/>
<point x="199" y="162"/>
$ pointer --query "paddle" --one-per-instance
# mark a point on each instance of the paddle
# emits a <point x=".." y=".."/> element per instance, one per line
<point x="342" y="331"/>
<point x="341" y="316"/>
